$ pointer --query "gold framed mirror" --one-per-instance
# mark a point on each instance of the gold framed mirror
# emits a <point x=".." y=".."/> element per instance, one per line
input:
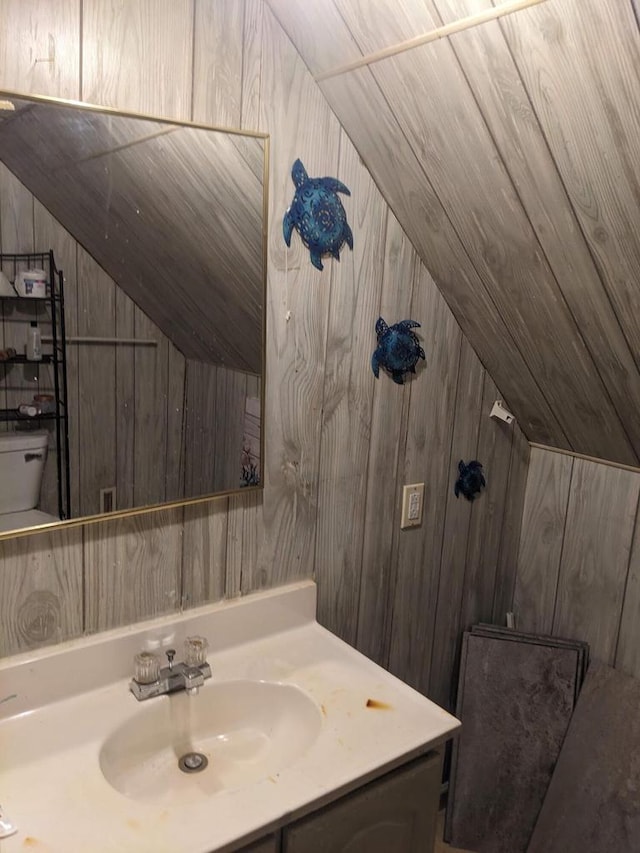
<point x="149" y="387"/>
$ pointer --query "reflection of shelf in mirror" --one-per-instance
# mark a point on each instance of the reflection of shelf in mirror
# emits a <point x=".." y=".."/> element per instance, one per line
<point x="48" y="409"/>
<point x="22" y="359"/>
<point x="141" y="342"/>
<point x="26" y="298"/>
<point x="14" y="415"/>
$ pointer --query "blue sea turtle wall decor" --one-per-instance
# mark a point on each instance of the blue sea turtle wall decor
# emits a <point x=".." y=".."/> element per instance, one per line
<point x="398" y="349"/>
<point x="317" y="214"/>
<point x="470" y="480"/>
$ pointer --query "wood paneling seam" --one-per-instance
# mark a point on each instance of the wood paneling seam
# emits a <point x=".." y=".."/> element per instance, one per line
<point x="242" y="81"/>
<point x="453" y="686"/>
<point x="444" y="520"/>
<point x="366" y="474"/>
<point x="505" y="510"/>
<point x="564" y="534"/>
<point x="399" y="480"/>
<point x="193" y="60"/>
<point x="626" y="580"/>
<point x="323" y="400"/>
<point x="80" y="47"/>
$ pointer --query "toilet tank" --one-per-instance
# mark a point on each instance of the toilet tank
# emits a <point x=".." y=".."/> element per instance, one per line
<point x="22" y="459"/>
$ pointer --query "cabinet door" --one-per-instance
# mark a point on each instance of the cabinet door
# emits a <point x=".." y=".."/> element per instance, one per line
<point x="394" y="814"/>
<point x="265" y="845"/>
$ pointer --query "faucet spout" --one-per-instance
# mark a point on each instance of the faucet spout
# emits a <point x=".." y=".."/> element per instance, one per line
<point x="193" y="680"/>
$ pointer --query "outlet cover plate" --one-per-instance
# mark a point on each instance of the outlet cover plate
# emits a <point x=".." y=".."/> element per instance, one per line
<point x="412" y="505"/>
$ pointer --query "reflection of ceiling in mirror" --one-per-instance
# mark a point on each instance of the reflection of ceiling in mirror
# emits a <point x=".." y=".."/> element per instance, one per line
<point x="172" y="213"/>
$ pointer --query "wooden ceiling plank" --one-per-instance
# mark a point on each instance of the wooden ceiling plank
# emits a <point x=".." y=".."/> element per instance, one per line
<point x="580" y="64"/>
<point x="458" y="26"/>
<point x="318" y="32"/>
<point x="437" y="113"/>
<point x="360" y="106"/>
<point x="505" y="105"/>
<point x="400" y="177"/>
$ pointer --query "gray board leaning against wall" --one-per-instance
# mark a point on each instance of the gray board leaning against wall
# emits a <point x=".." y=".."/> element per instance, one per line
<point x="160" y="229"/>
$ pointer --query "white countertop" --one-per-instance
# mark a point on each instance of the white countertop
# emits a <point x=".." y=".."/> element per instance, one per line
<point x="51" y="784"/>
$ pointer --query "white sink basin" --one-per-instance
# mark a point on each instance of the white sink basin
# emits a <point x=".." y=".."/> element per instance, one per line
<point x="247" y="731"/>
<point x="291" y="718"/>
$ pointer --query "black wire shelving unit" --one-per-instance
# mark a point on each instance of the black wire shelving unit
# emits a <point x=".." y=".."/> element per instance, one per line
<point x="54" y="354"/>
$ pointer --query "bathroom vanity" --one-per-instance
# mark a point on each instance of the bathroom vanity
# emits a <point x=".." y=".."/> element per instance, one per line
<point x="309" y="746"/>
<point x="394" y="814"/>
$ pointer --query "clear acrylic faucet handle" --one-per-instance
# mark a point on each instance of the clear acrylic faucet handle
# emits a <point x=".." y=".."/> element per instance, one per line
<point x="147" y="667"/>
<point x="195" y="651"/>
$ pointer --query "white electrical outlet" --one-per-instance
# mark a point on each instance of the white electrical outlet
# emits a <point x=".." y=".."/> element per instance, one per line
<point x="412" y="501"/>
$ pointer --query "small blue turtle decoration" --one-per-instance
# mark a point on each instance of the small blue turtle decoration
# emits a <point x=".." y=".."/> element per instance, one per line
<point x="398" y="349"/>
<point x="317" y="214"/>
<point x="470" y="480"/>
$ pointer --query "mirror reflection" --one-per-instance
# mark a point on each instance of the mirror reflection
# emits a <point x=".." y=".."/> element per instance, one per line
<point x="132" y="296"/>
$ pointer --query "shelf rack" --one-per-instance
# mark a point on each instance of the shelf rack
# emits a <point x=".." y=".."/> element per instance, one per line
<point x="12" y="265"/>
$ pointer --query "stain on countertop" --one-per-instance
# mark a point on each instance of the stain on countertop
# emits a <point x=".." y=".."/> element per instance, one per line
<point x="380" y="706"/>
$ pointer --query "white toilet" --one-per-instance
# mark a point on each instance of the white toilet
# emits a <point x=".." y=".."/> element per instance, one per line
<point x="22" y="460"/>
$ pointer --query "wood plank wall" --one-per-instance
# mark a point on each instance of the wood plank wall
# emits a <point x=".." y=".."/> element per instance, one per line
<point x="578" y="564"/>
<point x="339" y="444"/>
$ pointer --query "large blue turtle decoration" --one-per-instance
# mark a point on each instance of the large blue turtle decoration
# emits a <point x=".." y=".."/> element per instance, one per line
<point x="470" y="480"/>
<point x="398" y="349"/>
<point x="317" y="214"/>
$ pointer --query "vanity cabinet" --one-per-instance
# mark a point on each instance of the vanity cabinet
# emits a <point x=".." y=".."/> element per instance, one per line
<point x="394" y="814"/>
<point x="265" y="845"/>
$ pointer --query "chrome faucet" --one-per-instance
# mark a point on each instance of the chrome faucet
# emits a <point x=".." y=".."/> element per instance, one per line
<point x="152" y="680"/>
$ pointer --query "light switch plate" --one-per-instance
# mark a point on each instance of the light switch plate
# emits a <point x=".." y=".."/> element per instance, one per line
<point x="412" y="505"/>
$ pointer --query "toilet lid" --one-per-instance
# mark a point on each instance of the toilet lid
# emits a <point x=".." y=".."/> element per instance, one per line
<point x="28" y="518"/>
<point x="29" y="440"/>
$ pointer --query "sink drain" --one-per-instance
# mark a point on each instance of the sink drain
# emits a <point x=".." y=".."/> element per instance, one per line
<point x="193" y="762"/>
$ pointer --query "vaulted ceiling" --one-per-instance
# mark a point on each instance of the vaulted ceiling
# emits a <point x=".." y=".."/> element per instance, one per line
<point x="510" y="153"/>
